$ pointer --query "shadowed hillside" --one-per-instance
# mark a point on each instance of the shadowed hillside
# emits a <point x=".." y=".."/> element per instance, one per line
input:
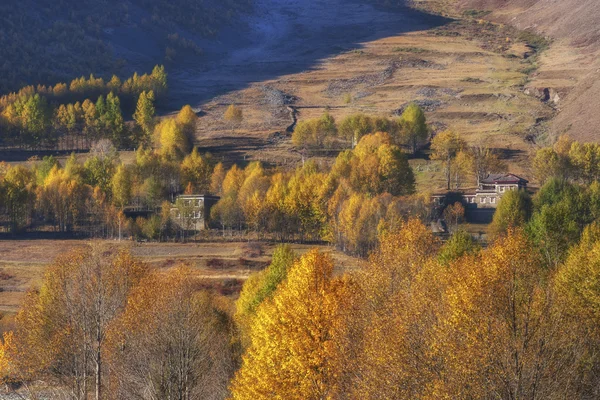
<point x="44" y="41"/>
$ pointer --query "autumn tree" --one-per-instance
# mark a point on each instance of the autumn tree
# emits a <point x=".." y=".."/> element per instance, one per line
<point x="261" y="286"/>
<point x="234" y="114"/>
<point x="577" y="302"/>
<point x="187" y="119"/>
<point x="228" y="211"/>
<point x="17" y="195"/>
<point x="197" y="172"/>
<point x="485" y="161"/>
<point x="250" y="197"/>
<point x="171" y="341"/>
<point x="187" y="220"/>
<point x="454" y="214"/>
<point x="355" y="126"/>
<point x="445" y="147"/>
<point x="315" y="133"/>
<point x="61" y="198"/>
<point x="294" y="330"/>
<point x="392" y="342"/>
<point x="359" y="220"/>
<point x="61" y="330"/>
<point x="172" y="140"/>
<point x="585" y="160"/>
<point x="496" y="332"/>
<point x="553" y="162"/>
<point x="376" y="166"/>
<point x="216" y="179"/>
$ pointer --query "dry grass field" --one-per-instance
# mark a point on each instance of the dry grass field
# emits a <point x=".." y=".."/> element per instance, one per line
<point x="467" y="76"/>
<point x="223" y="265"/>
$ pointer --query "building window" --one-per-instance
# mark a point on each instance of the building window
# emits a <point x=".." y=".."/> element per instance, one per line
<point x="493" y="200"/>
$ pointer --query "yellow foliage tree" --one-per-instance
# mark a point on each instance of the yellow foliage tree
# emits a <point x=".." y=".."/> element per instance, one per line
<point x="234" y="114"/>
<point x="172" y="139"/>
<point x="62" y="198"/>
<point x="445" y="147"/>
<point x="196" y="172"/>
<point x="498" y="333"/>
<point x="293" y="351"/>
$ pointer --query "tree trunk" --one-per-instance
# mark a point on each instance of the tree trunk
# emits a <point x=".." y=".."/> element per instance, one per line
<point x="98" y="362"/>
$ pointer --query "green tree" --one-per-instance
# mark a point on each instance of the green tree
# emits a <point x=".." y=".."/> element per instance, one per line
<point x="261" y="286"/>
<point x="460" y="243"/>
<point x="315" y="133"/>
<point x="414" y="126"/>
<point x="121" y="184"/>
<point x="112" y="120"/>
<point x="560" y="214"/>
<point x="514" y="210"/>
<point x="144" y="113"/>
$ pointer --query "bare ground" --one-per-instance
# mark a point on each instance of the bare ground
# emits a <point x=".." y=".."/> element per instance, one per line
<point x="225" y="264"/>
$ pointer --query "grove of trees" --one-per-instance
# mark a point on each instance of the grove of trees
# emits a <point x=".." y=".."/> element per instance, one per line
<point x="421" y="319"/>
<point x="72" y="117"/>
<point x="477" y="323"/>
<point x="89" y="197"/>
<point x="409" y="130"/>
<point x="104" y="325"/>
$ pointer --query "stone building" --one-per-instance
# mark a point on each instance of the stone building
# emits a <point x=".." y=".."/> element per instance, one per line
<point x="192" y="211"/>
<point x="491" y="189"/>
<point x="487" y="194"/>
<point x="481" y="202"/>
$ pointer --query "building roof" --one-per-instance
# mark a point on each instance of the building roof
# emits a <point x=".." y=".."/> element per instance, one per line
<point x="492" y="179"/>
<point x="197" y="196"/>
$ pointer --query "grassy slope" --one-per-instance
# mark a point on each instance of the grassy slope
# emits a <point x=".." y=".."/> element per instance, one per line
<point x="470" y="72"/>
<point x="570" y="68"/>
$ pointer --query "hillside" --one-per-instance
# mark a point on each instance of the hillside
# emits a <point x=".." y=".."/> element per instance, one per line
<point x="73" y="38"/>
<point x="570" y="68"/>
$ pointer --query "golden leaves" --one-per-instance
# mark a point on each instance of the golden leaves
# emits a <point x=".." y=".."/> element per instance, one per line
<point x="292" y="350"/>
